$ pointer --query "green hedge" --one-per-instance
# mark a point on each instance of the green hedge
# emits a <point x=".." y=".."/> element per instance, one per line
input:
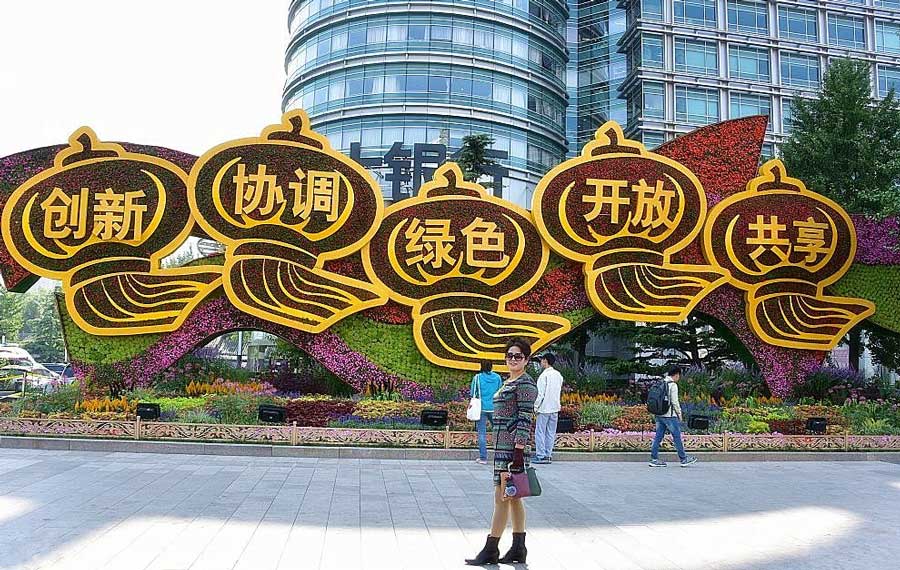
<point x="879" y="284"/>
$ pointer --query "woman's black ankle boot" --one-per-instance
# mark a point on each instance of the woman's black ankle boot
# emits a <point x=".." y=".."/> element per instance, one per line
<point x="488" y="555"/>
<point x="518" y="552"/>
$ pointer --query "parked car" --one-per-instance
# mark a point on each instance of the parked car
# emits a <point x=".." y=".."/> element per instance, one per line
<point x="18" y="366"/>
<point x="64" y="372"/>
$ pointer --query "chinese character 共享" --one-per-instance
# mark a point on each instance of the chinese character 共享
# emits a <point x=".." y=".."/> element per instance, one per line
<point x="65" y="215"/>
<point x="484" y="237"/>
<point x="115" y="214"/>
<point x="430" y="241"/>
<point x="258" y="192"/>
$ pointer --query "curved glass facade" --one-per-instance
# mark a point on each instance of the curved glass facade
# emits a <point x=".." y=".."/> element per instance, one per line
<point x="372" y="73"/>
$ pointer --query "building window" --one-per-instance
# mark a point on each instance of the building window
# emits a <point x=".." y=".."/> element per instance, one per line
<point x="696" y="56"/>
<point x="787" y="116"/>
<point x="698" y="12"/>
<point x="748" y="63"/>
<point x="748" y="105"/>
<point x="799" y="70"/>
<point x="888" y="78"/>
<point x="654" y="104"/>
<point x="696" y="105"/>
<point x="846" y="31"/>
<point x="652" y="51"/>
<point x="797" y="24"/>
<point x="895" y="4"/>
<point x="652" y="9"/>
<point x="751" y="17"/>
<point x="652" y="139"/>
<point x="887" y="37"/>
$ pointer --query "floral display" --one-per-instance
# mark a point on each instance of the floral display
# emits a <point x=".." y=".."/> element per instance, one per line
<point x="378" y="345"/>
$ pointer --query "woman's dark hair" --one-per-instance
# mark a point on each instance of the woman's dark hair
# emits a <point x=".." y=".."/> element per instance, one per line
<point x="487" y="365"/>
<point x="522" y="344"/>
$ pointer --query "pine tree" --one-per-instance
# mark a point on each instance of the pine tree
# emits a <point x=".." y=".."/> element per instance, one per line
<point x="473" y="157"/>
<point x="846" y="144"/>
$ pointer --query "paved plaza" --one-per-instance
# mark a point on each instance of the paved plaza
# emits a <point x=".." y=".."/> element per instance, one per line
<point x="121" y="511"/>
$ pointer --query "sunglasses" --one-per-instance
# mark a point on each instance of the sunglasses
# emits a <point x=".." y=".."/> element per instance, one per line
<point x="515" y="356"/>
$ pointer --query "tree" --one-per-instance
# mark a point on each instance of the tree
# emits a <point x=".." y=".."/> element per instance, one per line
<point x="473" y="157"/>
<point x="846" y="144"/>
<point x="44" y="338"/>
<point x="884" y="346"/>
<point x="11" y="318"/>
<point x="694" y="342"/>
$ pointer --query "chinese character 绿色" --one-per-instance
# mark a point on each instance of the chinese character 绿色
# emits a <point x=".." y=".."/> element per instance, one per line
<point x="116" y="214"/>
<point x="484" y="237"/>
<point x="430" y="241"/>
<point x="257" y="192"/>
<point x="65" y="215"/>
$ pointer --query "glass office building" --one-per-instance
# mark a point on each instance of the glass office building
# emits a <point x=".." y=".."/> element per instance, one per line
<point x="540" y="76"/>
<point x="372" y="73"/>
<point x="694" y="62"/>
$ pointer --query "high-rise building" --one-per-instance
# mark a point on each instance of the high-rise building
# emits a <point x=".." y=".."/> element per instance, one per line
<point x="398" y="85"/>
<point x="694" y="62"/>
<point x="374" y="73"/>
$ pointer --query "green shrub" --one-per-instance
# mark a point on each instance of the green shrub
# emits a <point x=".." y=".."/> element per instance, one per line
<point x="599" y="414"/>
<point x="197" y="417"/>
<point x="739" y="382"/>
<point x="142" y="394"/>
<point x="178" y="406"/>
<point x="867" y="418"/>
<point x="697" y="383"/>
<point x="739" y="423"/>
<point x="871" y="426"/>
<point x="60" y="399"/>
<point x="757" y="427"/>
<point x="237" y="408"/>
<point x="781" y="413"/>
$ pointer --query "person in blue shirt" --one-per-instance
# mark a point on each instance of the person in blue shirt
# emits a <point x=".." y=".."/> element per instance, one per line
<point x="485" y="384"/>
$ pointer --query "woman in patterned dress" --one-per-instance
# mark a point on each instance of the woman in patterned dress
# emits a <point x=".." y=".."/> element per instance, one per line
<point x="513" y="414"/>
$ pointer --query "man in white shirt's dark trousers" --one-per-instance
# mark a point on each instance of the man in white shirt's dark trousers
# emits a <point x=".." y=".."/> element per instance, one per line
<point x="547" y="406"/>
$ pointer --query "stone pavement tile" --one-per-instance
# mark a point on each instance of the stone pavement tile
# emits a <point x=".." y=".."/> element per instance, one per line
<point x="84" y="527"/>
<point x="177" y="512"/>
<point x="379" y="548"/>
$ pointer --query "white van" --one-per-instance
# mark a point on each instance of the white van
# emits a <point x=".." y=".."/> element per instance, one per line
<point x="17" y="363"/>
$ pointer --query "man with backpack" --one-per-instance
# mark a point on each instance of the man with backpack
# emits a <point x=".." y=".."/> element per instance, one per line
<point x="662" y="402"/>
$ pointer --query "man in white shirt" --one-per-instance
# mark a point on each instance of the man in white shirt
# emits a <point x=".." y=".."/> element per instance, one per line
<point x="547" y="406"/>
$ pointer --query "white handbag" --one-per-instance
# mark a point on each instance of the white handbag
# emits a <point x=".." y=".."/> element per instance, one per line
<point x="474" y="411"/>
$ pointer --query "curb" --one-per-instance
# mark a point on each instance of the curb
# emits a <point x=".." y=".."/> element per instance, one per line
<point x="263" y="450"/>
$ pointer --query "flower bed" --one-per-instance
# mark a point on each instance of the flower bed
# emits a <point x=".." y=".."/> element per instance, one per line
<point x="608" y="440"/>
